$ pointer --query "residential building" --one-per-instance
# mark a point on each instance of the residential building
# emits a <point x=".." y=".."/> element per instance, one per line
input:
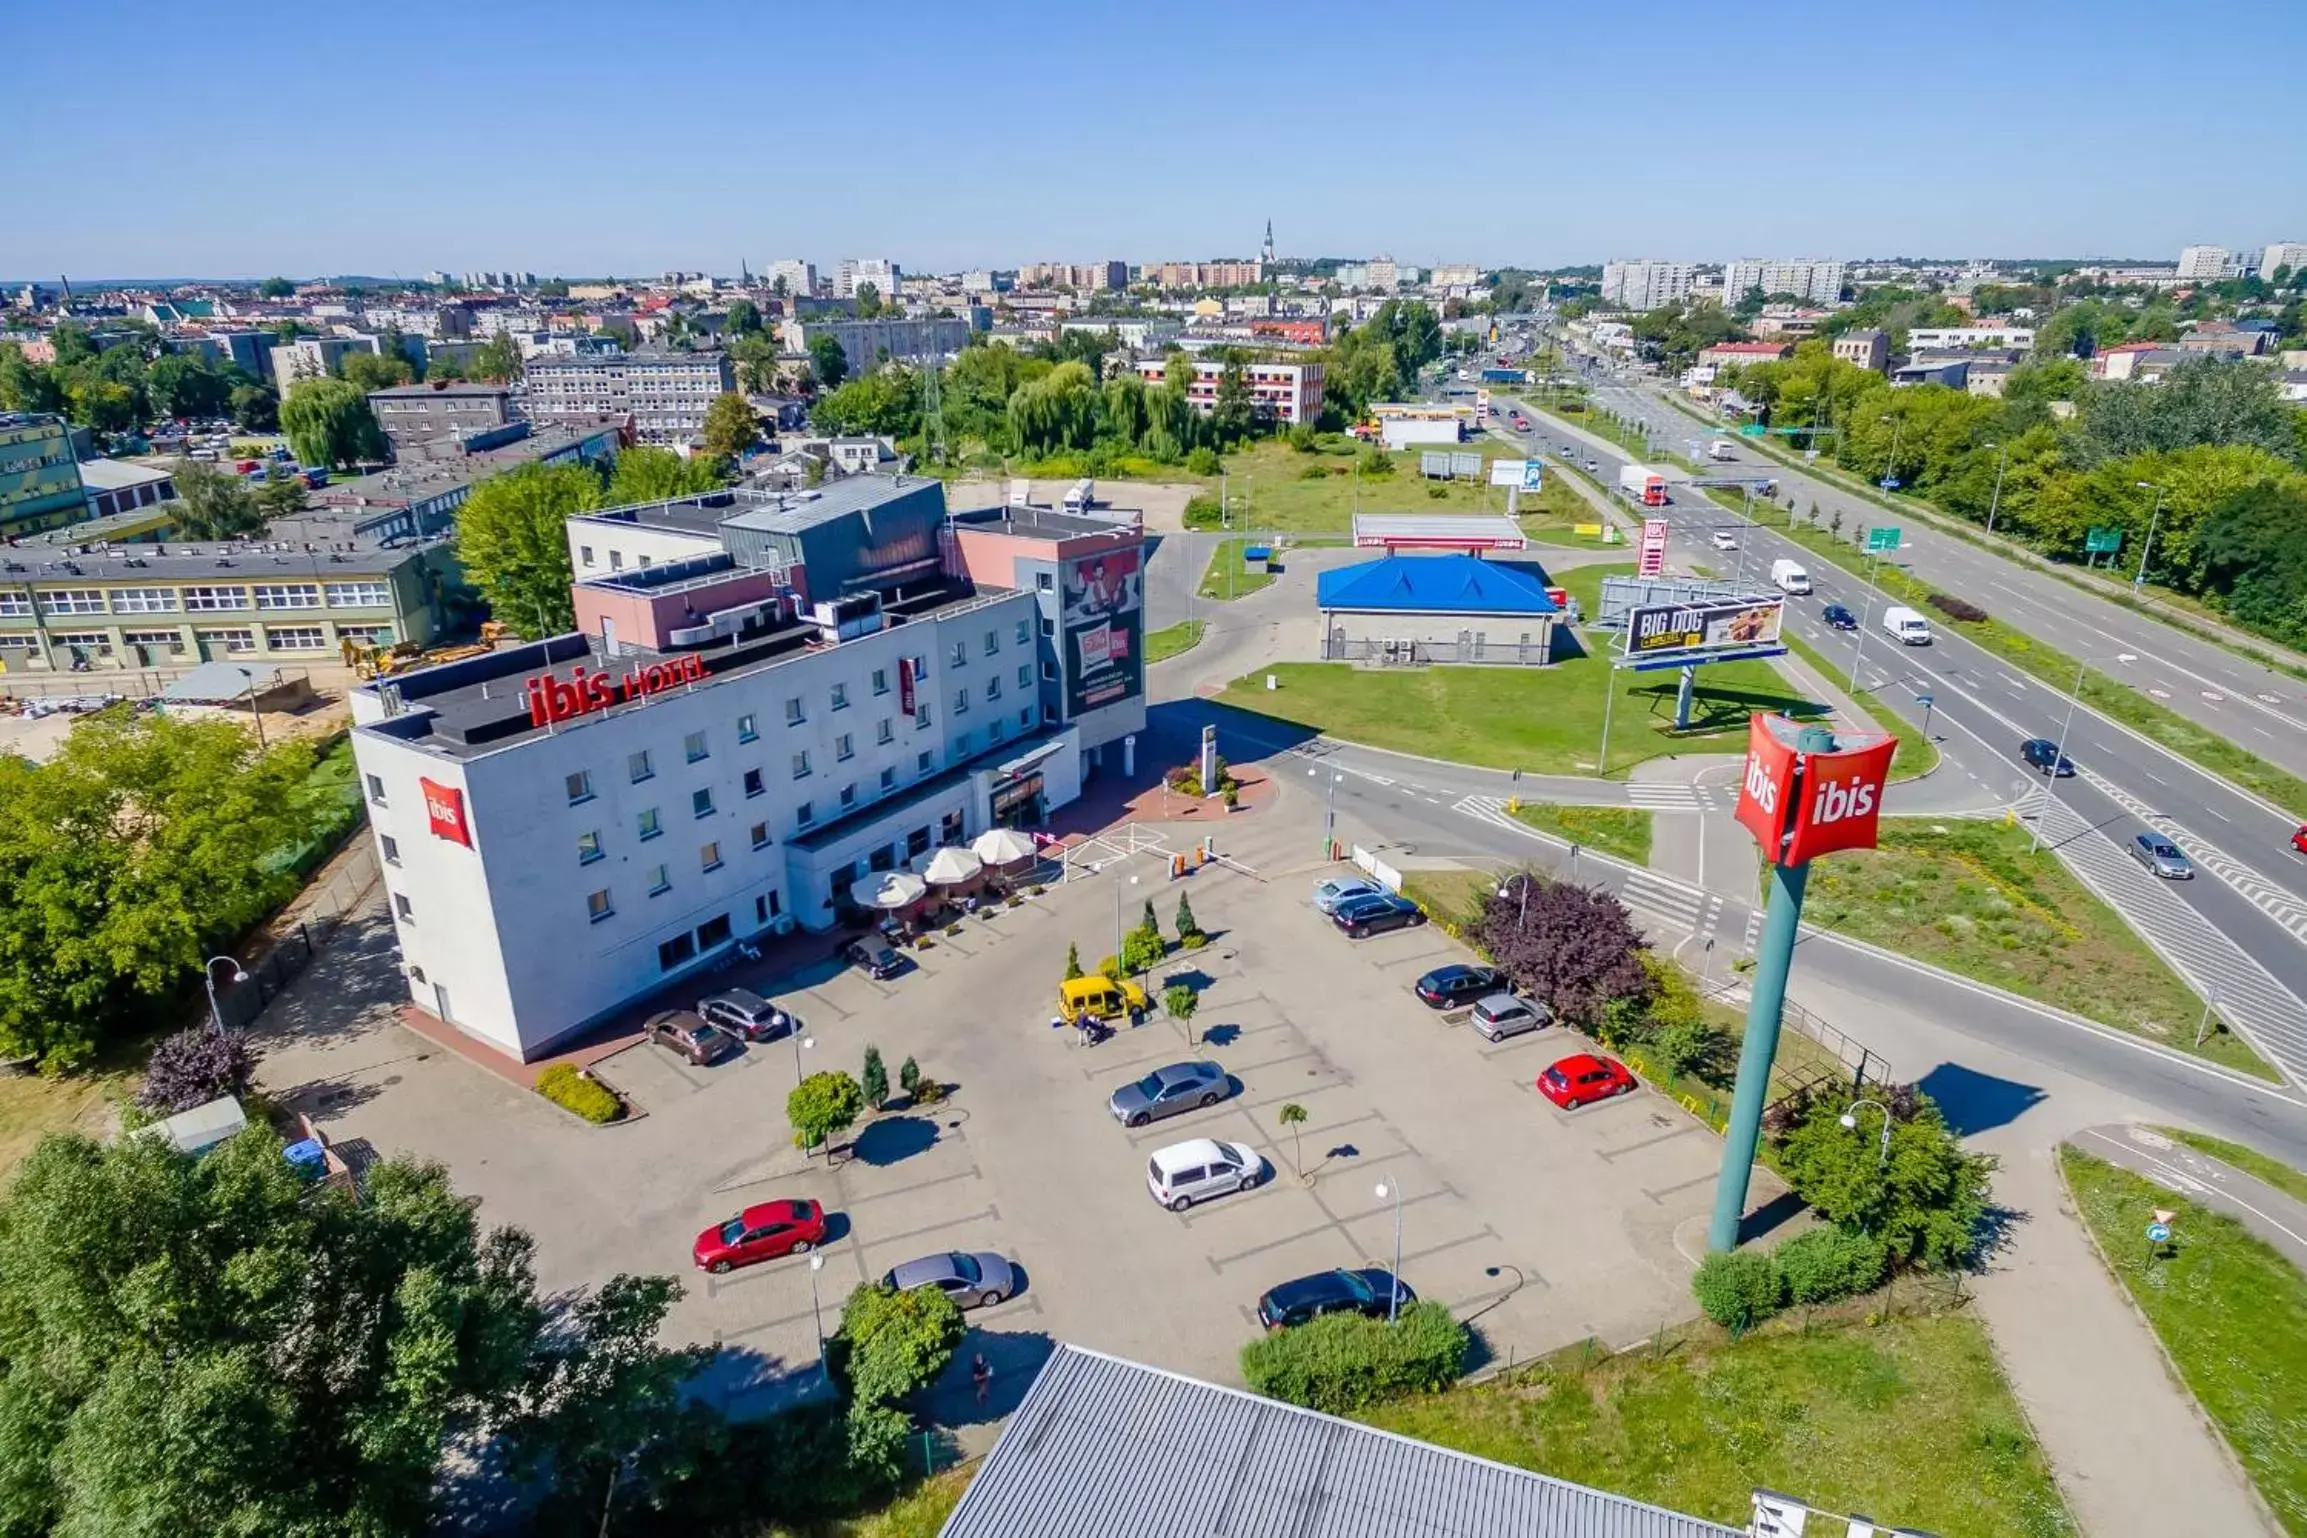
<point x="40" y="484"/>
<point x="1743" y="352"/>
<point x="2205" y="263"/>
<point x="116" y="486"/>
<point x="314" y="357"/>
<point x="1924" y="339"/>
<point x="1136" y="332"/>
<point x="2234" y="341"/>
<point x="866" y="342"/>
<point x="1198" y="275"/>
<point x="1284" y="392"/>
<point x="1954" y="373"/>
<point x="249" y="351"/>
<point x="665" y="394"/>
<point x="1088" y="277"/>
<point x="420" y="494"/>
<point x="2283" y="253"/>
<point x="1646" y="285"/>
<point x="798" y="276"/>
<point x="828" y="687"/>
<point x="1812" y="278"/>
<point x="1455" y="275"/>
<point x="1865" y="346"/>
<point x="1788" y="320"/>
<point x="440" y="408"/>
<point x="879" y="271"/>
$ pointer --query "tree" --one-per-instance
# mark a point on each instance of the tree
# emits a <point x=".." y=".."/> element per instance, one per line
<point x="275" y="288"/>
<point x="892" y="1344"/>
<point x="1180" y="1001"/>
<point x="649" y="474"/>
<point x="2254" y="553"/>
<point x="2202" y="401"/>
<point x="282" y="496"/>
<point x="876" y="1084"/>
<point x="194" y="1066"/>
<point x="255" y="407"/>
<point x="181" y="385"/>
<point x="1574" y="947"/>
<point x="868" y="301"/>
<point x="1293" y="1116"/>
<point x="828" y="364"/>
<point x="213" y="503"/>
<point x="744" y="318"/>
<point x="497" y="360"/>
<point x="1232" y="412"/>
<point x="513" y="541"/>
<point x="377" y="371"/>
<point x="1927" y="1201"/>
<point x="1149" y="924"/>
<point x="1187" y="924"/>
<point x="731" y="427"/>
<point x="249" y="1355"/>
<point x="1072" y="960"/>
<point x="909" y="1076"/>
<point x="328" y="422"/>
<point x="823" y="1104"/>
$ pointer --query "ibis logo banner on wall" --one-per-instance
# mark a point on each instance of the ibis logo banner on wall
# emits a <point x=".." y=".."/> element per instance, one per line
<point x="1801" y="805"/>
<point x="445" y="810"/>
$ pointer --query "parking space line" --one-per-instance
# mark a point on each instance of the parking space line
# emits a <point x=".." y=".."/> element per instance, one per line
<point x="1664" y="1192"/>
<point x="1443" y="1248"/>
<point x="1300" y="1093"/>
<point x="1218" y="1263"/>
<point x="1386" y="1209"/>
<point x="991" y="1213"/>
<point x="971" y="1173"/>
<point x="1649" y="1142"/>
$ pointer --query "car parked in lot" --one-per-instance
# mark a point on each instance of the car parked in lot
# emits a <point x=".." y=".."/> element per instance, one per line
<point x="1457" y="985"/>
<point x="2162" y="858"/>
<point x="1502" y="1015"/>
<point x="1331" y="895"/>
<point x="681" y="1031"/>
<point x="978" y="1279"/>
<point x="1366" y="1291"/>
<point x="742" y="1012"/>
<point x="2043" y="755"/>
<point x="872" y="955"/>
<point x="1368" y="916"/>
<point x="763" y="1232"/>
<point x="1167" y="1091"/>
<point x="1200" y="1168"/>
<point x="1098" y="997"/>
<point x="1838" y="618"/>
<point x="1582" y="1078"/>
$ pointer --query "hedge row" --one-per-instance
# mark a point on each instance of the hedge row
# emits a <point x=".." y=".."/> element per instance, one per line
<point x="1741" y="1289"/>
<point x="571" y="1090"/>
<point x="1343" y="1362"/>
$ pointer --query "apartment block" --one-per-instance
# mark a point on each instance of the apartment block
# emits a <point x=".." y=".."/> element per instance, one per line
<point x="1813" y="279"/>
<point x="664" y="394"/>
<point x="1646" y="285"/>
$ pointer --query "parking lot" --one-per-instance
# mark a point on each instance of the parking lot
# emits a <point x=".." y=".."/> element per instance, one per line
<point x="1539" y="1226"/>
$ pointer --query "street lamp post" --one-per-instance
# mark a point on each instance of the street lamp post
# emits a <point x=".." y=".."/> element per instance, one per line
<point x="2148" y="549"/>
<point x="1850" y="1122"/>
<point x="1394" y="1281"/>
<point x="817" y="1314"/>
<point x="1329" y="811"/>
<point x="2059" y="750"/>
<point x="800" y="1043"/>
<point x="2002" y="463"/>
<point x="1117" y="917"/>
<point x="208" y="976"/>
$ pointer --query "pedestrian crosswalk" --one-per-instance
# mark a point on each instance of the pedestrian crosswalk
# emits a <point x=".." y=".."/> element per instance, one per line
<point x="2283" y="907"/>
<point x="1660" y="797"/>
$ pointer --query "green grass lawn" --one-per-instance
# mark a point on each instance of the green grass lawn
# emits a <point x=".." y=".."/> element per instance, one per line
<point x="34" y="1105"/>
<point x="1228" y="576"/>
<point x="1585" y="584"/>
<point x="2230" y="1310"/>
<point x="1543" y="720"/>
<point x="2249" y="1160"/>
<point x="1909" y="1421"/>
<point x="1167" y="642"/>
<point x="1454" y="895"/>
<point x="1623" y="831"/>
<point x="1967" y="896"/>
<point x="1272" y="492"/>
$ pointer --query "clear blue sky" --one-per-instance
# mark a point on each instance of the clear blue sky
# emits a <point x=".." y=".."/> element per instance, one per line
<point x="583" y="137"/>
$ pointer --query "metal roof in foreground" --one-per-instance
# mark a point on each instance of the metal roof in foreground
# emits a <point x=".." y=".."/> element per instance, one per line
<point x="1107" y="1447"/>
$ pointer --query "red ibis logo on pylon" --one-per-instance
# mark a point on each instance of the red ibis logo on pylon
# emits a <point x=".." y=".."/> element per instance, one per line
<point x="1836" y="804"/>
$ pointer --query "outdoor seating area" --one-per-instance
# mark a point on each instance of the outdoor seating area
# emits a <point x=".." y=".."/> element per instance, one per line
<point x="946" y="885"/>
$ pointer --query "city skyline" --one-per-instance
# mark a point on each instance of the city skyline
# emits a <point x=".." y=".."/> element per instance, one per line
<point x="512" y="149"/>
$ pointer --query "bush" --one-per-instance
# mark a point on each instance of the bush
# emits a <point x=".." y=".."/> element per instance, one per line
<point x="1956" y="608"/>
<point x="1314" y="473"/>
<point x="1302" y="438"/>
<point x="1194" y="941"/>
<point x="1437" y="491"/>
<point x="1374" y="463"/>
<point x="1341" y="1363"/>
<point x="1203" y="513"/>
<point x="1141" y="951"/>
<point x="875" y="1079"/>
<point x="563" y="1085"/>
<point x="195" y="1066"/>
<point x="892" y="1344"/>
<point x="909" y="1076"/>
<point x="1204" y="461"/>
<point x="1927" y="1202"/>
<point x="1739" y="1290"/>
<point x="1829" y="1263"/>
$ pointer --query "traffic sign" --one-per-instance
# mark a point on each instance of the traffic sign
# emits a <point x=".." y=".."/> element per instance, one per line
<point x="1888" y="483"/>
<point x="1922" y="699"/>
<point x="2103" y="541"/>
<point x="2158" y="1233"/>
<point x="1879" y="540"/>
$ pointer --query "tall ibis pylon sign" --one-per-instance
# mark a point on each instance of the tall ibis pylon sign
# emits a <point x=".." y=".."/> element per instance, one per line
<point x="1804" y="794"/>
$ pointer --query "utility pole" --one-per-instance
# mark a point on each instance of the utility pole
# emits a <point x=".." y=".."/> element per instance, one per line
<point x="2001" y="464"/>
<point x="2148" y="548"/>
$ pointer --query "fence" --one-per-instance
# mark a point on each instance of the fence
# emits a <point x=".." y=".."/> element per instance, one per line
<point x="286" y="946"/>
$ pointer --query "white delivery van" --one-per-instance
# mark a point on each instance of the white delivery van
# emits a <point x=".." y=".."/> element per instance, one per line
<point x="1720" y="449"/>
<point x="1788" y="576"/>
<point x="1906" y="626"/>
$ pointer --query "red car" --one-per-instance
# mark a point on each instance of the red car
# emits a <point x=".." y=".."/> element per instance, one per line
<point x="1582" y="1077"/>
<point x="2299" y="840"/>
<point x="760" y="1233"/>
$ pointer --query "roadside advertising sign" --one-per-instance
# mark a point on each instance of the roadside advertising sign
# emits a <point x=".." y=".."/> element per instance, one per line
<point x="1801" y="805"/>
<point x="1697" y="626"/>
<point x="1506" y="472"/>
<point x="1767" y="785"/>
<point x="1653" y="557"/>
<point x="1103" y="625"/>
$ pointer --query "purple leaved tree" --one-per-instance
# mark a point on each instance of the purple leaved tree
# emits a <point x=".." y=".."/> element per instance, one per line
<point x="194" y="1067"/>
<point x="1572" y="946"/>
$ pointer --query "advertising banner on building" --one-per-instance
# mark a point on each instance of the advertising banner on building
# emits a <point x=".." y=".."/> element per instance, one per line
<point x="1653" y="558"/>
<point x="1103" y="628"/>
<point x="1739" y="622"/>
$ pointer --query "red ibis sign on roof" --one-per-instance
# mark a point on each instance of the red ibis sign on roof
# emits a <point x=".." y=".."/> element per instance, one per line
<point x="582" y="692"/>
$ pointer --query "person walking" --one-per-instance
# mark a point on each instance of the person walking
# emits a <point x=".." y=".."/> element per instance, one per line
<point x="981" y="1377"/>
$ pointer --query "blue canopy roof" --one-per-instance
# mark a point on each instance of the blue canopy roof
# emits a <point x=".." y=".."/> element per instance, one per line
<point x="1435" y="584"/>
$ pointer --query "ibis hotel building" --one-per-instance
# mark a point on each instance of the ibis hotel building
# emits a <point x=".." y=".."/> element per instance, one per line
<point x="765" y="700"/>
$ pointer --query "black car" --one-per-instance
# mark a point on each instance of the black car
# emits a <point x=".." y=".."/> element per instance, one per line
<point x="871" y="955"/>
<point x="1375" y="915"/>
<point x="1838" y="618"/>
<point x="2043" y="754"/>
<point x="1331" y="1292"/>
<point x="1454" y="987"/>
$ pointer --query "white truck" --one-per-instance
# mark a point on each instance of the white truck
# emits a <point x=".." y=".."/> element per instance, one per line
<point x="1720" y="449"/>
<point x="1905" y="626"/>
<point x="1788" y="576"/>
<point x="1642" y="484"/>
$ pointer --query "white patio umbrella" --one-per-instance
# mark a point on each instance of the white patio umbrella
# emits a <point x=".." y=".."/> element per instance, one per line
<point x="1002" y="846"/>
<point x="888" y="890"/>
<point x="952" y="866"/>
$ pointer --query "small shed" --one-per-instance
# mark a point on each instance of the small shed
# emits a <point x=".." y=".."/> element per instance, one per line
<point x="1408" y="611"/>
<point x="245" y="684"/>
<point x="204" y="1126"/>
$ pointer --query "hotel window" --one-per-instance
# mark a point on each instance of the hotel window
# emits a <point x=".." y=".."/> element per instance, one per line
<point x="848" y="797"/>
<point x="580" y="786"/>
<point x="296" y="638"/>
<point x="72" y="600"/>
<point x="1025" y="676"/>
<point x="1024" y="631"/>
<point x="376" y="790"/>
<point x="888" y="778"/>
<point x="746" y="731"/>
<point x="701" y="803"/>
<point x="993" y="730"/>
<point x="793" y="715"/>
<point x="961" y="702"/>
<point x="216" y="598"/>
<point x="694" y="746"/>
<point x="709" y="856"/>
<point x="843" y="749"/>
<point x="1046" y="581"/>
<point x="639" y="767"/>
<point x="585" y="555"/>
<point x="961" y="654"/>
<point x="992" y="642"/>
<point x="753" y="785"/>
<point x="359" y="595"/>
<point x="921" y="763"/>
<point x="660" y="881"/>
<point x="886" y="731"/>
<point x="881" y="680"/>
<point x="288" y="595"/>
<point x="760" y="835"/>
<point x="840" y="696"/>
<point x="765" y="907"/>
<point x="598" y="906"/>
<point x="646" y="825"/>
<point x="805" y="814"/>
<point x="801" y="765"/>
<point x="169" y="641"/>
<point x="961" y="746"/>
<point x="673" y="952"/>
<point x="920" y="717"/>
<point x="589" y="847"/>
<point x="144" y="600"/>
<point x="993" y="688"/>
<point x="392" y="849"/>
<point x="616" y="560"/>
<point x="402" y="910"/>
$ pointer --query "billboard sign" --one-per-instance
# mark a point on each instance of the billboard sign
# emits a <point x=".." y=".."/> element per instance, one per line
<point x="1103" y="629"/>
<point x="1738" y="622"/>
<point x="2103" y="541"/>
<point x="445" y="811"/>
<point x="1801" y="805"/>
<point x="1518" y="474"/>
<point x="1653" y="559"/>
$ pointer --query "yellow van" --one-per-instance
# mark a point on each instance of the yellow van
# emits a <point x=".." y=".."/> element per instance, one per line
<point x="1096" y="997"/>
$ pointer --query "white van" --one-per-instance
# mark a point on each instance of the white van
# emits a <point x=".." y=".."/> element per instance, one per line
<point x="1906" y="626"/>
<point x="1788" y="576"/>
<point x="1720" y="449"/>
<point x="1199" y="1168"/>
